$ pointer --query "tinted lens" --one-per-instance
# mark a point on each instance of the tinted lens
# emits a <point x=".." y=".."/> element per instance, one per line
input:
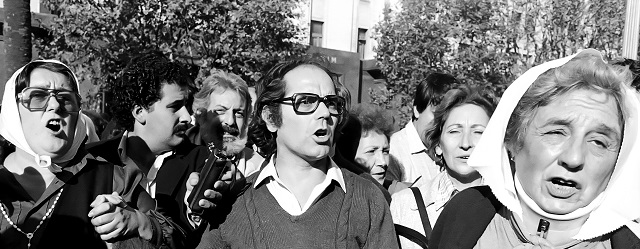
<point x="335" y="104"/>
<point x="37" y="99"/>
<point x="306" y="102"/>
<point x="69" y="100"/>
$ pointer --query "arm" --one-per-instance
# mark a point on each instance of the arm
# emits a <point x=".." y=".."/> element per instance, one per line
<point x="132" y="210"/>
<point x="382" y="233"/>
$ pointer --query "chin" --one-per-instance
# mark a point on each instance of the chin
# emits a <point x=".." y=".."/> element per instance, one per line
<point x="554" y="205"/>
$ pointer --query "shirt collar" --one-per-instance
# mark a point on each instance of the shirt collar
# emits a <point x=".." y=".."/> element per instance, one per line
<point x="142" y="155"/>
<point x="269" y="173"/>
<point x="413" y="139"/>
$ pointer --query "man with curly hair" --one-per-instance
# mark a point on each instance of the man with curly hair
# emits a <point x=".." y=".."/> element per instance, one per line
<point x="152" y="101"/>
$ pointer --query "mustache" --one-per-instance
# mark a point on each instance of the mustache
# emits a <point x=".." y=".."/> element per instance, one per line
<point x="180" y="128"/>
<point x="231" y="129"/>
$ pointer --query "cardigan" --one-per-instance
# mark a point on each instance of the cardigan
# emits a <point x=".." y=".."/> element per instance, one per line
<point x="468" y="214"/>
<point x="359" y="218"/>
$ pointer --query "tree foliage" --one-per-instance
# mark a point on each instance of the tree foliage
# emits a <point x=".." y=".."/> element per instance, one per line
<point x="97" y="37"/>
<point x="486" y="42"/>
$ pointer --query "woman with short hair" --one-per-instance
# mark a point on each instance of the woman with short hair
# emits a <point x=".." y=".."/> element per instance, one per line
<point x="459" y="121"/>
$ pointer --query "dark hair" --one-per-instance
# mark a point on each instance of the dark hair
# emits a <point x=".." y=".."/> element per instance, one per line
<point x="23" y="79"/>
<point x="141" y="84"/>
<point x="585" y="71"/>
<point x="454" y="98"/>
<point x="373" y="118"/>
<point x="634" y="67"/>
<point x="270" y="87"/>
<point x="431" y="90"/>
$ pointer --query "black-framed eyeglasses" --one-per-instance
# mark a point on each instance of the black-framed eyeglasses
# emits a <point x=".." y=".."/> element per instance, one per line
<point x="305" y="103"/>
<point x="37" y="99"/>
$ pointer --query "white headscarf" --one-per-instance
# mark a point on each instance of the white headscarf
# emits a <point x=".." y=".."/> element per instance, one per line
<point x="618" y="205"/>
<point x="11" y="125"/>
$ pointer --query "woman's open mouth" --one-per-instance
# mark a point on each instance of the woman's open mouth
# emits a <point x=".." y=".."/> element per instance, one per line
<point x="54" y="125"/>
<point x="562" y="188"/>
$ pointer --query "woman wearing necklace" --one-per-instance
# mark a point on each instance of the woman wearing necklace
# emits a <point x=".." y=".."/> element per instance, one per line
<point x="560" y="158"/>
<point x="52" y="195"/>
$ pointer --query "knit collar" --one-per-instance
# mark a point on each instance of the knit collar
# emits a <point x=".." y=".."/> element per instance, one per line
<point x="618" y="207"/>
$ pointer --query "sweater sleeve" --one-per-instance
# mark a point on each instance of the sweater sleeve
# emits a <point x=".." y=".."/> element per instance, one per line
<point x="382" y="233"/>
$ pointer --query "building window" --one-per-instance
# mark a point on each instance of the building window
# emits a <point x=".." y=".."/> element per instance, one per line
<point x="316" y="33"/>
<point x="362" y="42"/>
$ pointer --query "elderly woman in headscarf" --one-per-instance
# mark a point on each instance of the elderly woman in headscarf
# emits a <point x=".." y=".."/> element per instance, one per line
<point x="52" y="195"/>
<point x="560" y="158"/>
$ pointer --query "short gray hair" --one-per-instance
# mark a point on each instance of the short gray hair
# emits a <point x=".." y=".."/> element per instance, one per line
<point x="220" y="79"/>
<point x="585" y="71"/>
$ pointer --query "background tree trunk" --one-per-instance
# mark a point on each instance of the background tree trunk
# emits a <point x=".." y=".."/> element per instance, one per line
<point x="17" y="37"/>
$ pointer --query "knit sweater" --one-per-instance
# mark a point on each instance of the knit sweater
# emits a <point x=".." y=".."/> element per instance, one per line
<point x="358" y="219"/>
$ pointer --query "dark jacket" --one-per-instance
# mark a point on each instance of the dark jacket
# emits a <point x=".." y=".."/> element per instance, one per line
<point x="170" y="180"/>
<point x="68" y="226"/>
<point x="468" y="214"/>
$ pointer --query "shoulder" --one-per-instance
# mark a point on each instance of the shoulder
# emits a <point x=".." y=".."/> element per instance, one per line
<point x="106" y="150"/>
<point x="624" y="238"/>
<point x="363" y="187"/>
<point x="480" y="199"/>
<point x="465" y="218"/>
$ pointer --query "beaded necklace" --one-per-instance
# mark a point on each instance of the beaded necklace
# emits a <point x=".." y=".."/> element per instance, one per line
<point x="30" y="235"/>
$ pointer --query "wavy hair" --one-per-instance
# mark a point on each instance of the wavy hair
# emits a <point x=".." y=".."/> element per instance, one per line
<point x="454" y="98"/>
<point x="271" y="87"/>
<point x="141" y="84"/>
<point x="586" y="71"/>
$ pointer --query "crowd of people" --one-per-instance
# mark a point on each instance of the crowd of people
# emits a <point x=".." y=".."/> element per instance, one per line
<point x="552" y="164"/>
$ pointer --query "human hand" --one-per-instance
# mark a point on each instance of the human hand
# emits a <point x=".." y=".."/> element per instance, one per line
<point x="210" y="127"/>
<point x="112" y="218"/>
<point x="213" y="197"/>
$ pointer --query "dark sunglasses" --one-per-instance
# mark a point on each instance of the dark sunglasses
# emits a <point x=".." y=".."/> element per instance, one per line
<point x="37" y="99"/>
<point x="305" y="103"/>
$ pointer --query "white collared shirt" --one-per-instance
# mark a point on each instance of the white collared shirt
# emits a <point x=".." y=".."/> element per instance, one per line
<point x="153" y="171"/>
<point x="407" y="147"/>
<point x="286" y="198"/>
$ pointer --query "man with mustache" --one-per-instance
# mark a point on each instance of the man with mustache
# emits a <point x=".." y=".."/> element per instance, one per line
<point x="222" y="107"/>
<point x="152" y="101"/>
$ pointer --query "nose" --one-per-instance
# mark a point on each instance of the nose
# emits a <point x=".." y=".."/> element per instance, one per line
<point x="323" y="111"/>
<point x="380" y="159"/>
<point x="466" y="142"/>
<point x="52" y="103"/>
<point x="184" y="116"/>
<point x="228" y="117"/>
<point x="573" y="154"/>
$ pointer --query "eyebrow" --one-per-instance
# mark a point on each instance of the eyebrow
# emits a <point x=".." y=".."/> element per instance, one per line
<point x="601" y="128"/>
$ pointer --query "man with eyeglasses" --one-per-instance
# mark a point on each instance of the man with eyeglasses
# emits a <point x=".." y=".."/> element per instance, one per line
<point x="301" y="198"/>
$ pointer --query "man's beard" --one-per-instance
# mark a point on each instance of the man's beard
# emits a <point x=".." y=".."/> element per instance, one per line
<point x="235" y="144"/>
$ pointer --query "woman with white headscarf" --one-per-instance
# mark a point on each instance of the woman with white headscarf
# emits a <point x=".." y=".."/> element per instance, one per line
<point x="560" y="158"/>
<point x="52" y="195"/>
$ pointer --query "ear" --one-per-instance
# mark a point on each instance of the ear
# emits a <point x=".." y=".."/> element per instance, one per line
<point x="139" y="114"/>
<point x="438" y="150"/>
<point x="265" y="116"/>
<point x="415" y="112"/>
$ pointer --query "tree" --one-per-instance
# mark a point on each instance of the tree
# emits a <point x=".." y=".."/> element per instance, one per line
<point x="17" y="36"/>
<point x="97" y="37"/>
<point x="486" y="42"/>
